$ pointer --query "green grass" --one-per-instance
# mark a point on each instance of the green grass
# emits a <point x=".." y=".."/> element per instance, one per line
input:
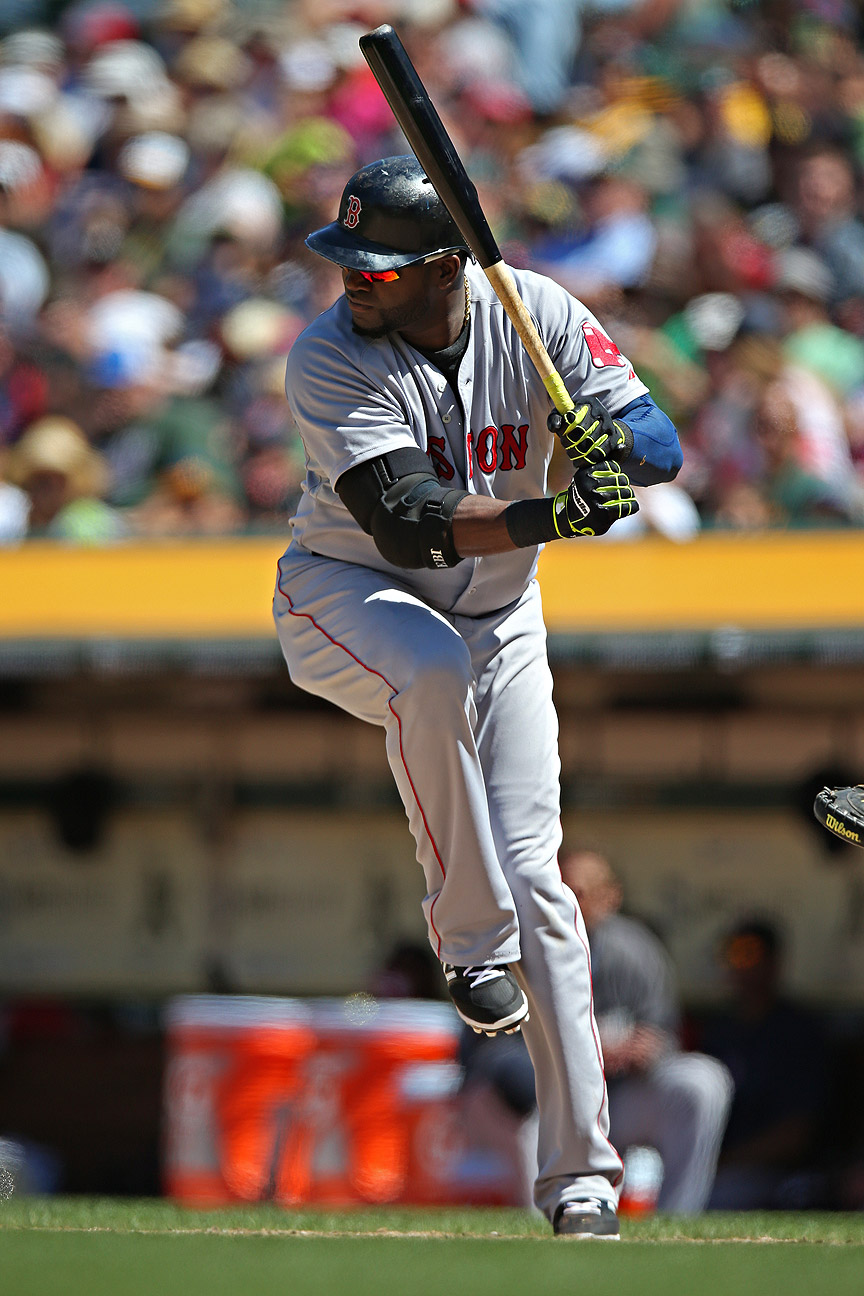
<point x="109" y="1247"/>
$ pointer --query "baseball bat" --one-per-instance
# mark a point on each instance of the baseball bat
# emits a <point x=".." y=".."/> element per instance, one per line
<point x="434" y="150"/>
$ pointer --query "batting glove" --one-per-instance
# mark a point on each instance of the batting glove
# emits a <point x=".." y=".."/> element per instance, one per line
<point x="590" y="434"/>
<point x="596" y="497"/>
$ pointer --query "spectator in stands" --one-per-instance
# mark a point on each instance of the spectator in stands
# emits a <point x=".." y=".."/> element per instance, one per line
<point x="797" y="498"/>
<point x="776" y="1051"/>
<point x="768" y="444"/>
<point x="173" y="154"/>
<point x="544" y="41"/>
<point x="65" y="481"/>
<point x="806" y="285"/>
<point x="614" y="249"/>
<point x="823" y="203"/>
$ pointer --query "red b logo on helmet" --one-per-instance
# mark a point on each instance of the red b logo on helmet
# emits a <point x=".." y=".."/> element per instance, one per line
<point x="352" y="213"/>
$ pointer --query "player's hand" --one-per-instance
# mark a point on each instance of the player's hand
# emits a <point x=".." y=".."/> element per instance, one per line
<point x="590" y="434"/>
<point x="636" y="1051"/>
<point x="596" y="497"/>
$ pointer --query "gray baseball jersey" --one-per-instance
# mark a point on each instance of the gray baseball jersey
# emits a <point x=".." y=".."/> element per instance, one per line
<point x="452" y="664"/>
<point x="355" y="398"/>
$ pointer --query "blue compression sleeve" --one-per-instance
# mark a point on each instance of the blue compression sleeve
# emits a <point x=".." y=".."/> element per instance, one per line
<point x="656" y="452"/>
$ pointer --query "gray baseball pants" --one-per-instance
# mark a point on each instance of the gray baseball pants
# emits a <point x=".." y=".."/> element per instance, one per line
<point x="472" y="740"/>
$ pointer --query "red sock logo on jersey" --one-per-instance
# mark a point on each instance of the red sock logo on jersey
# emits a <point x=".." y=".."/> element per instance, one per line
<point x="603" y="350"/>
<point x="352" y="213"/>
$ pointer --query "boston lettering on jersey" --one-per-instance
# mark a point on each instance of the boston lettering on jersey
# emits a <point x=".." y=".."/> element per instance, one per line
<point x="504" y="448"/>
<point x="436" y="450"/>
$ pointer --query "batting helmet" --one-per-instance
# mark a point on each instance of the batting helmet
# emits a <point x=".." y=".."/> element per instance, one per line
<point x="389" y="216"/>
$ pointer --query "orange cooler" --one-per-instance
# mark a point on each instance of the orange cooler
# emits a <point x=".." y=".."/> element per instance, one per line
<point x="331" y="1101"/>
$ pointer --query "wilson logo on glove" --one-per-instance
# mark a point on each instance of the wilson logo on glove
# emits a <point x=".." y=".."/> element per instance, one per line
<point x="841" y="810"/>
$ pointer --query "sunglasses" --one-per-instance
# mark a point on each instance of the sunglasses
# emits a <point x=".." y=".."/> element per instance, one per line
<point x="390" y="276"/>
<point x="378" y="276"/>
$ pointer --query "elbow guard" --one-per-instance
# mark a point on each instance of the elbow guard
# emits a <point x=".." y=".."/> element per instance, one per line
<point x="412" y="525"/>
<point x="656" y="452"/>
<point x="397" y="500"/>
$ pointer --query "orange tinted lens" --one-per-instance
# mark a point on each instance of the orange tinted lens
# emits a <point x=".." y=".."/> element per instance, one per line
<point x="379" y="276"/>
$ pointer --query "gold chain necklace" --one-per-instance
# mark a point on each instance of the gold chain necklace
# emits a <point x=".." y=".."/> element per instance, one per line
<point x="467" y="302"/>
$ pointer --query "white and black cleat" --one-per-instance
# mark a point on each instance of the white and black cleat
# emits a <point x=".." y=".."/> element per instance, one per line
<point x="488" y="999"/>
<point x="591" y="1218"/>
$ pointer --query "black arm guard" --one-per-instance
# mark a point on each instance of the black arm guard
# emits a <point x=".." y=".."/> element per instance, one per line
<point x="413" y="524"/>
<point x="396" y="498"/>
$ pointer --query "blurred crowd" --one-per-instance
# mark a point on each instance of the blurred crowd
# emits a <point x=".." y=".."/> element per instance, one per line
<point x="691" y="169"/>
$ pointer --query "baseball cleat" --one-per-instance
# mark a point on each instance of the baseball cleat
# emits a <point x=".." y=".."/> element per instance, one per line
<point x="591" y="1218"/>
<point x="488" y="999"/>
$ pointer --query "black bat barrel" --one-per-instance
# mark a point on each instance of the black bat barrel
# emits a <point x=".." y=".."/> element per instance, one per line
<point x="424" y="130"/>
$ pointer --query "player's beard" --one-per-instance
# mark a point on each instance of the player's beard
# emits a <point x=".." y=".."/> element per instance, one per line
<point x="415" y="311"/>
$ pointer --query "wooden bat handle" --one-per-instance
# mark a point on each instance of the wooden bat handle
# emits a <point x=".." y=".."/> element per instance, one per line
<point x="508" y="294"/>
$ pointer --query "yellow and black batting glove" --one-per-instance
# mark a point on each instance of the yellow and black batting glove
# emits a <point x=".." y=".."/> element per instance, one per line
<point x="590" y="434"/>
<point x="596" y="497"/>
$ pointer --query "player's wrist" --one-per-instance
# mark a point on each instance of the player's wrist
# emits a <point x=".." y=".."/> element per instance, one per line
<point x="531" y="522"/>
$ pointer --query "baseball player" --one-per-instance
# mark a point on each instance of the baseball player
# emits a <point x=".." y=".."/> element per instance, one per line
<point x="408" y="597"/>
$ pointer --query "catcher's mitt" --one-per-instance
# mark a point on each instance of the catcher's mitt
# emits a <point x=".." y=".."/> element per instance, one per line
<point x="841" y="810"/>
